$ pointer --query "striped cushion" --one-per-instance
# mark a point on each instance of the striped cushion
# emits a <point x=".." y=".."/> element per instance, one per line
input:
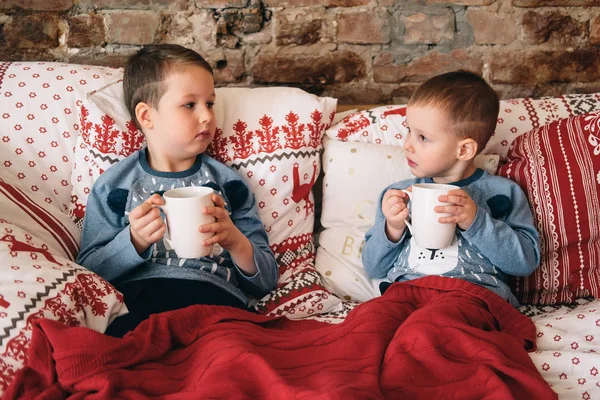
<point x="39" y="279"/>
<point x="558" y="167"/>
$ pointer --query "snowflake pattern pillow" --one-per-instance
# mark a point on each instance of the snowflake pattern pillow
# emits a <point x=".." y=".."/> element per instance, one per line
<point x="518" y="116"/>
<point x="272" y="137"/>
<point x="39" y="121"/>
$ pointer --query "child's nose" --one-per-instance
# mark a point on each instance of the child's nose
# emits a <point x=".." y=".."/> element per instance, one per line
<point x="205" y="115"/>
<point x="407" y="145"/>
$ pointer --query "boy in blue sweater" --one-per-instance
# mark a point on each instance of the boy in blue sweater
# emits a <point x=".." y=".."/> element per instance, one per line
<point x="169" y="91"/>
<point x="450" y="118"/>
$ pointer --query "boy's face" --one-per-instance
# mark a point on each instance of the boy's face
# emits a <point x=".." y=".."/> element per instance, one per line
<point x="431" y="148"/>
<point x="183" y="124"/>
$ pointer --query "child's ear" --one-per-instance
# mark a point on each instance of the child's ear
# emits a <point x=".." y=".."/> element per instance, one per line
<point x="467" y="149"/>
<point x="143" y="115"/>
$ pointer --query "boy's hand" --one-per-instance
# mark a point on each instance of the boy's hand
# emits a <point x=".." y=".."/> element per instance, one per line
<point x="228" y="236"/>
<point x="395" y="211"/>
<point x="225" y="232"/>
<point x="146" y="225"/>
<point x="462" y="210"/>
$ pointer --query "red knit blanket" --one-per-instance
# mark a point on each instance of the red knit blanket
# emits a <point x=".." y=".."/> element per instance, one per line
<point x="428" y="339"/>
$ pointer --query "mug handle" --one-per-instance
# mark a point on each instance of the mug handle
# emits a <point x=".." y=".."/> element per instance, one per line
<point x="408" y="224"/>
<point x="166" y="236"/>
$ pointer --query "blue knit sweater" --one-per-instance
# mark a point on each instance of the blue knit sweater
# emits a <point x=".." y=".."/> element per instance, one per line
<point x="106" y="246"/>
<point x="501" y="241"/>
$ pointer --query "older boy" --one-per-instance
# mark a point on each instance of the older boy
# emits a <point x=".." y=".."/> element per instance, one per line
<point x="450" y="118"/>
<point x="169" y="91"/>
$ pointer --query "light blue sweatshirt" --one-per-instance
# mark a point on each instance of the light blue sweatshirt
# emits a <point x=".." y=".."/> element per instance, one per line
<point x="106" y="246"/>
<point x="501" y="241"/>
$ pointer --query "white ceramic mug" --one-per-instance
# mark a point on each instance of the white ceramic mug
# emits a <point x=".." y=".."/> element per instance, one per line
<point x="183" y="209"/>
<point x="427" y="231"/>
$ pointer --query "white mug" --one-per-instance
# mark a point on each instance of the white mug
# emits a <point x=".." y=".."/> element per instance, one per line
<point x="183" y="209"/>
<point x="427" y="231"/>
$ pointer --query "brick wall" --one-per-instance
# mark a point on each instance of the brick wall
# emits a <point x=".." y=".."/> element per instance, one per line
<point x="360" y="51"/>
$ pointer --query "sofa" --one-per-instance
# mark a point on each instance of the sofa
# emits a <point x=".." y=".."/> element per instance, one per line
<point x="316" y="169"/>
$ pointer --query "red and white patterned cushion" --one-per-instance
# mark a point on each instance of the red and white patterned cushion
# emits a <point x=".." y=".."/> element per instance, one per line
<point x="272" y="137"/>
<point x="518" y="116"/>
<point x="39" y="279"/>
<point x="558" y="167"/>
<point x="39" y="122"/>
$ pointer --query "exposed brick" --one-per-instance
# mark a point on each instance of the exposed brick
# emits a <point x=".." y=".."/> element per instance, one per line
<point x="301" y="27"/>
<point x="364" y="28"/>
<point x="125" y="4"/>
<point x="492" y="28"/>
<point x="120" y="26"/>
<point x="585" y="88"/>
<point x="107" y="60"/>
<point x="429" y="28"/>
<point x="428" y="66"/>
<point x="358" y="94"/>
<point x="321" y="3"/>
<point x="554" y="27"/>
<point x="336" y="67"/>
<point x="221" y="3"/>
<point x="383" y="58"/>
<point x="558" y="3"/>
<point x="37" y="5"/>
<point x="302" y="32"/>
<point x="462" y="2"/>
<point x="244" y="21"/>
<point x="230" y="67"/>
<point x="595" y="30"/>
<point x="350" y="3"/>
<point x="22" y="54"/>
<point x="33" y="31"/>
<point x="401" y="95"/>
<point x="534" y="67"/>
<point x="86" y="30"/>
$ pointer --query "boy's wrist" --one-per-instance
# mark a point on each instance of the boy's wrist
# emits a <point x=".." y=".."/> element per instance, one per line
<point x="393" y="234"/>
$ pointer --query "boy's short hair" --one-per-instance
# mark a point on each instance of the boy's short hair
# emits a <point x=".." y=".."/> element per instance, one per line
<point x="146" y="70"/>
<point x="469" y="103"/>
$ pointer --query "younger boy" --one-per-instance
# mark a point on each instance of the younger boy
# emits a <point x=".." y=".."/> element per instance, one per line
<point x="169" y="91"/>
<point x="450" y="118"/>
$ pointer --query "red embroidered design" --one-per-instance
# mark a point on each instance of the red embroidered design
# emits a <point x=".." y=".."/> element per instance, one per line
<point x="294" y="138"/>
<point x="86" y="125"/>
<point x="132" y="139"/>
<point x="242" y="141"/>
<point x="302" y="191"/>
<point x="4" y="303"/>
<point x="396" y="111"/>
<point x="16" y="246"/>
<point x="106" y="135"/>
<point x="217" y="149"/>
<point x="268" y="136"/>
<point x="353" y="125"/>
<point x="316" y="129"/>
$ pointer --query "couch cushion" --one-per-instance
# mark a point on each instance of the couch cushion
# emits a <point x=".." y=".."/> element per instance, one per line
<point x="39" y="279"/>
<point x="518" y="116"/>
<point x="39" y="123"/>
<point x="558" y="167"/>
